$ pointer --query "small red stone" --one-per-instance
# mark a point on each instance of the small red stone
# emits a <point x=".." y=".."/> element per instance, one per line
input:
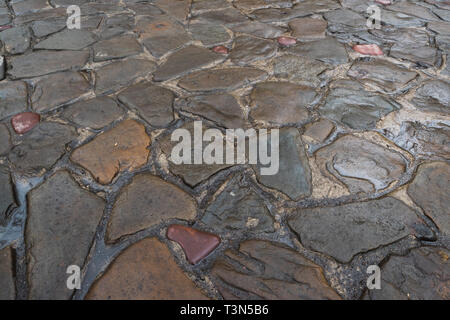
<point x="220" y="49"/>
<point x="196" y="244"/>
<point x="385" y="2"/>
<point x="368" y="49"/>
<point x="286" y="41"/>
<point x="5" y="27"/>
<point x="24" y="122"/>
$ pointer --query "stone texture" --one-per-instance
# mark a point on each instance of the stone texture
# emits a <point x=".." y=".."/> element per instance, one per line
<point x="118" y="74"/>
<point x="94" y="113"/>
<point x="345" y="20"/>
<point x="209" y="34"/>
<point x="294" y="176"/>
<point x="299" y="69"/>
<point x="42" y="28"/>
<point x="185" y="61"/>
<point x="368" y="49"/>
<point x="429" y="191"/>
<point x="44" y="62"/>
<point x="238" y="208"/>
<point x="258" y="4"/>
<point x="8" y="291"/>
<point x="58" y="89"/>
<point x="178" y="9"/>
<point x="7" y="200"/>
<point x="153" y="103"/>
<point x="307" y="29"/>
<point x="266" y="270"/>
<point x="433" y="95"/>
<point x="280" y="103"/>
<point x="319" y="131"/>
<point x="145" y="271"/>
<point x="258" y="29"/>
<point x="357" y="227"/>
<point x="196" y="244"/>
<point x="41" y="147"/>
<point x="67" y="40"/>
<point x="222" y="109"/>
<point x="24" y="122"/>
<point x="361" y="165"/>
<point x="5" y="139"/>
<point x="424" y="56"/>
<point x="220" y="79"/>
<point x="423" y="274"/>
<point x="327" y="50"/>
<point x="147" y="201"/>
<point x="15" y="40"/>
<point x="248" y="49"/>
<point x="349" y="104"/>
<point x="227" y="17"/>
<point x="13" y="98"/>
<point x="123" y="148"/>
<point x="61" y="224"/>
<point x="119" y="47"/>
<point x="286" y="41"/>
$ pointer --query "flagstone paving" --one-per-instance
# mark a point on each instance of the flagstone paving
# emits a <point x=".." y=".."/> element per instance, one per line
<point x="87" y="178"/>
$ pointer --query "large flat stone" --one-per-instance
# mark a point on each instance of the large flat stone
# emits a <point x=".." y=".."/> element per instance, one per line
<point x="258" y="29"/>
<point x="15" y="40"/>
<point x="267" y="270"/>
<point x="247" y="49"/>
<point x="433" y="95"/>
<point x="123" y="148"/>
<point x="356" y="227"/>
<point x="227" y="17"/>
<point x="145" y="202"/>
<point x="5" y="139"/>
<point x="209" y="34"/>
<point x="61" y="223"/>
<point x="144" y="271"/>
<point x="13" y="98"/>
<point x="7" y="199"/>
<point x="118" y="47"/>
<point x="308" y="29"/>
<point x="8" y="291"/>
<point x="299" y="69"/>
<point x="68" y="40"/>
<point x="327" y="50"/>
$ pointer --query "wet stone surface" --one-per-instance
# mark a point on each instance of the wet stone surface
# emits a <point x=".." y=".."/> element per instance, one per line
<point x="87" y="118"/>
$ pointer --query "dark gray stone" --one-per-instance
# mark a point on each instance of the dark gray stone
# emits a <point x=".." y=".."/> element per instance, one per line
<point x="119" y="47"/>
<point x="345" y="20"/>
<point x="68" y="40"/>
<point x="226" y="17"/>
<point x="7" y="200"/>
<point x="209" y="34"/>
<point x="328" y="50"/>
<point x="15" y="40"/>
<point x="299" y="69"/>
<point x="248" y="49"/>
<point x="42" y="28"/>
<point x="433" y="95"/>
<point x="5" y="139"/>
<point x="425" y="56"/>
<point x="13" y="98"/>
<point x="8" y="291"/>
<point x="258" y="29"/>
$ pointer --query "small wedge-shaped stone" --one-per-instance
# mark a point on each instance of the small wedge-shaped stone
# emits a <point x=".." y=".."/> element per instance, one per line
<point x="196" y="244"/>
<point x="145" y="271"/>
<point x="146" y="201"/>
<point x="356" y="227"/>
<point x="61" y="223"/>
<point x="122" y="148"/>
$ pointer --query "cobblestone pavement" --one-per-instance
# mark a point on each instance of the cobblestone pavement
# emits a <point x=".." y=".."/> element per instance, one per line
<point x="86" y="117"/>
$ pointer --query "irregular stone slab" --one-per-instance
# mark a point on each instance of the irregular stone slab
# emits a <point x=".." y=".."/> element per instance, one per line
<point x="220" y="79"/>
<point x="315" y="6"/>
<point x="57" y="90"/>
<point x="226" y="17"/>
<point x="220" y="108"/>
<point x="425" y="56"/>
<point x="273" y="15"/>
<point x="286" y="41"/>
<point x="154" y="104"/>
<point x="443" y="14"/>
<point x="94" y="113"/>
<point x="41" y="15"/>
<point x="294" y="176"/>
<point x="349" y="104"/>
<point x="161" y="35"/>
<point x="44" y="62"/>
<point x="7" y="200"/>
<point x="238" y="208"/>
<point x="61" y="224"/>
<point x="406" y="37"/>
<point x="13" y="98"/>
<point x="421" y="275"/>
<point x="68" y="40"/>
<point x="118" y="74"/>
<point x="8" y="291"/>
<point x="119" y="47"/>
<point x="185" y="61"/>
<point x="146" y="201"/>
<point x="357" y="227"/>
<point x="328" y="50"/>
<point x="42" y="28"/>
<point x="192" y="174"/>
<point x="145" y="271"/>
<point x="258" y="29"/>
<point x="368" y="49"/>
<point x="433" y="95"/>
<point x="15" y="40"/>
<point x="386" y="75"/>
<point x="266" y="270"/>
<point x="299" y="69"/>
<point x="41" y="147"/>
<point x="178" y="9"/>
<point x="123" y="148"/>
<point x="196" y="244"/>
<point x="307" y="29"/>
<point x="281" y="103"/>
<point x="21" y="6"/>
<point x="412" y="9"/>
<point x="400" y="20"/>
<point x="345" y="20"/>
<point x="209" y="34"/>
<point x="319" y="131"/>
<point x="257" y="4"/>
<point x="5" y="139"/>
<point x="248" y="49"/>
<point x="429" y="191"/>
<point x="361" y="165"/>
<point x="201" y="5"/>
<point x="439" y="27"/>
<point x="24" y="122"/>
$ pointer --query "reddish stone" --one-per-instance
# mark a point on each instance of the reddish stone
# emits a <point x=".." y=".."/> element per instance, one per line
<point x="220" y="49"/>
<point x="196" y="244"/>
<point x="24" y="122"/>
<point x="5" y="27"/>
<point x="385" y="2"/>
<point x="369" y="49"/>
<point x="286" y="41"/>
